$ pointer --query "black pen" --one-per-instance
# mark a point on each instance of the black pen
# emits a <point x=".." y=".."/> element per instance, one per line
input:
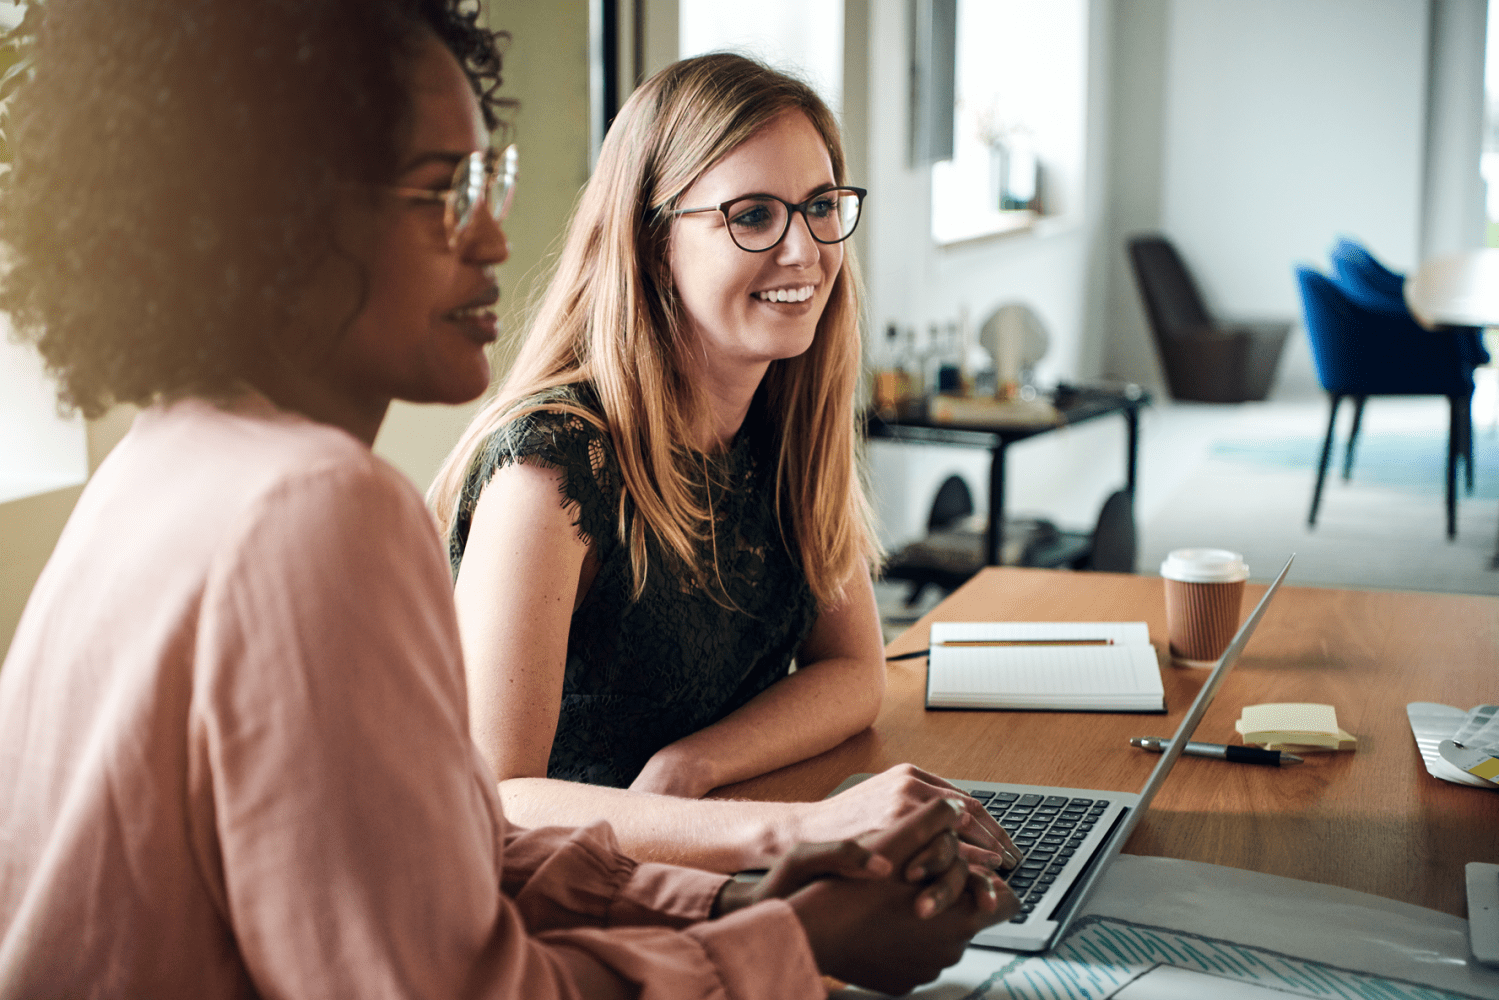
<point x="1239" y="755"/>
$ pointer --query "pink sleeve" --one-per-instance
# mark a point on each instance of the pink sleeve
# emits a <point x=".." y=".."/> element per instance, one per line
<point x="339" y="812"/>
<point x="564" y="877"/>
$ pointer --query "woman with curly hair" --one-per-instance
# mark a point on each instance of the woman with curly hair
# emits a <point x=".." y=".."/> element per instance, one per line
<point x="661" y="507"/>
<point x="234" y="749"/>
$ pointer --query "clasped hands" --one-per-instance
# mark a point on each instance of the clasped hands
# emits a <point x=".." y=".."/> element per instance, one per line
<point x="891" y="909"/>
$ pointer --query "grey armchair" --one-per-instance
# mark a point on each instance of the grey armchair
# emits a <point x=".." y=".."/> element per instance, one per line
<point x="1205" y="361"/>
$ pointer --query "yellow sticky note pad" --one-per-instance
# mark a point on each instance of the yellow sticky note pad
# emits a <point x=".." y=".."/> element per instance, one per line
<point x="1283" y="725"/>
<point x="1346" y="741"/>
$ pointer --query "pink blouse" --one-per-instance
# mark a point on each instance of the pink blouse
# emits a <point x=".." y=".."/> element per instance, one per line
<point x="234" y="758"/>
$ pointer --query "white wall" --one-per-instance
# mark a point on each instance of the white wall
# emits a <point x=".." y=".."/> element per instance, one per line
<point x="800" y="37"/>
<point x="1288" y="123"/>
<point x="1137" y="94"/>
<point x="546" y="69"/>
<point x="1454" y="213"/>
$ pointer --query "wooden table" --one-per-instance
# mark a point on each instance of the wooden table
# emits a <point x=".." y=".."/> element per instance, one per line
<point x="1373" y="820"/>
<point x="1458" y="289"/>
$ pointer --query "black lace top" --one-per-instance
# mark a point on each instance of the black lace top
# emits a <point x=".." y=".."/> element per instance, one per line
<point x="644" y="673"/>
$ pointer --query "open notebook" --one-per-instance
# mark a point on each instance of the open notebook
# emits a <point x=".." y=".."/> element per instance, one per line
<point x="1067" y="666"/>
<point x="1069" y="835"/>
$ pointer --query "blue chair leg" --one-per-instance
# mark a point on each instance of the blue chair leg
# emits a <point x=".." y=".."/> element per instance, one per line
<point x="1358" y="419"/>
<point x="1332" y="420"/>
<point x="1468" y="445"/>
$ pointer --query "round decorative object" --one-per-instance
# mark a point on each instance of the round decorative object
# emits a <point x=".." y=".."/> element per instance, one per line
<point x="1015" y="338"/>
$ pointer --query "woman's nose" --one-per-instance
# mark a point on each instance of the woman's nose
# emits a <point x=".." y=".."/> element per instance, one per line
<point x="485" y="242"/>
<point x="797" y="248"/>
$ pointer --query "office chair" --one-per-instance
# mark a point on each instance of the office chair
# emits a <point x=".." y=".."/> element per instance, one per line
<point x="1205" y="361"/>
<point x="950" y="553"/>
<point x="1362" y="350"/>
<point x="1114" y="543"/>
<point x="1360" y="272"/>
<point x="1374" y="286"/>
<point x="953" y="549"/>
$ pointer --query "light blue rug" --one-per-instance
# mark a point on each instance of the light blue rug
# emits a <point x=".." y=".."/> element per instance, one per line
<point x="1414" y="463"/>
<point x="1369" y="535"/>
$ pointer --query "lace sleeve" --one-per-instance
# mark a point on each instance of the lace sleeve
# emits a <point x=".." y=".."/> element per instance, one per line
<point x="557" y="439"/>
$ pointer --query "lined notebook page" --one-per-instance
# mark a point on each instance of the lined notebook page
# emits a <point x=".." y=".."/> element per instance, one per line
<point x="1124" y="676"/>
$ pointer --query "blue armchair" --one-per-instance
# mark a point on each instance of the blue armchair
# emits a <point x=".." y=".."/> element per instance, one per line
<point x="1360" y="272"/>
<point x="1364" y="346"/>
<point x="1374" y="286"/>
<point x="1370" y="283"/>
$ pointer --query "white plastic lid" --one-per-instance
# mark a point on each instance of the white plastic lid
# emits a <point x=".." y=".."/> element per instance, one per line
<point x="1205" y="566"/>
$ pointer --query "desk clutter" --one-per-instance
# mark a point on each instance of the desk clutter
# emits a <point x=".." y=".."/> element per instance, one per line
<point x="996" y="361"/>
<point x="1457" y="746"/>
<point x="985" y="411"/>
<point x="1294" y="727"/>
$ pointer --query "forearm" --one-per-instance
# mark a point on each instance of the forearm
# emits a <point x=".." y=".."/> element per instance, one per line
<point x="800" y="716"/>
<point x="719" y="835"/>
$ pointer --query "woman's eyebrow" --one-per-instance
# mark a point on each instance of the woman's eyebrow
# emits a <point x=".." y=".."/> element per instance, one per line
<point x="812" y="193"/>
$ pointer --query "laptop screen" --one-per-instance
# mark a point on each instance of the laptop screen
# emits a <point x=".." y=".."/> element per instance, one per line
<point x="1179" y="740"/>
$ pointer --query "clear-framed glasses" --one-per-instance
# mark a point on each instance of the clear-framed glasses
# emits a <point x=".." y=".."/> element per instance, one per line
<point x="758" y="222"/>
<point x="484" y="178"/>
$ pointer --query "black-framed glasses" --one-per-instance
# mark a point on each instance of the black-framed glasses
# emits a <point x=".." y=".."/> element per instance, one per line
<point x="758" y="222"/>
<point x="484" y="178"/>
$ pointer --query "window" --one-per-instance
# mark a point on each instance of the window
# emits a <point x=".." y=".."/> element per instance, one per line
<point x="1020" y="114"/>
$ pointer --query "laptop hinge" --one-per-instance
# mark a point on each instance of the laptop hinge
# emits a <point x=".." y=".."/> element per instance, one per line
<point x="1062" y="912"/>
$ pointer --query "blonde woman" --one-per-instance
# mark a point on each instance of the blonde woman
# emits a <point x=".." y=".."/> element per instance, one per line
<point x="661" y="510"/>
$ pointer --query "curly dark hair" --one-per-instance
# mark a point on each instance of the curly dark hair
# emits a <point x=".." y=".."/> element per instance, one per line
<point x="177" y="168"/>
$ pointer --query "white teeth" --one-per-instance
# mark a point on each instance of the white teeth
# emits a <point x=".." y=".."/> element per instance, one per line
<point x="786" y="294"/>
<point x="471" y="311"/>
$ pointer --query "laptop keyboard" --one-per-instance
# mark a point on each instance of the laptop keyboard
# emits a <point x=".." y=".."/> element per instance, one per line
<point x="1048" y="830"/>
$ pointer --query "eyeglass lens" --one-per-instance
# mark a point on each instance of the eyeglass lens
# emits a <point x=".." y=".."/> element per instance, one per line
<point x="758" y="223"/>
<point x="478" y="179"/>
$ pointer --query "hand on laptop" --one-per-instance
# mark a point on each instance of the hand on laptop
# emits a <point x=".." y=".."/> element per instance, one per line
<point x="896" y="932"/>
<point x="888" y="797"/>
<point x="935" y="864"/>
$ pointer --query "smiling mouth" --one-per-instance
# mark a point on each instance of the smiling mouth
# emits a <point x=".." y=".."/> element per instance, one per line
<point x="479" y="321"/>
<point x="801" y="294"/>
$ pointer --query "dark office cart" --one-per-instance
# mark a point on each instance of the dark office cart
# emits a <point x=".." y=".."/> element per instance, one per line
<point x="910" y="423"/>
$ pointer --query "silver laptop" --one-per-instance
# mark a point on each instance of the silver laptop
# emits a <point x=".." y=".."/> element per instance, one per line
<point x="1070" y="835"/>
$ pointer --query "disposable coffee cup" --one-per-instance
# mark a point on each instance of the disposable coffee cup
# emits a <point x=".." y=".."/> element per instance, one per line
<point x="1204" y="590"/>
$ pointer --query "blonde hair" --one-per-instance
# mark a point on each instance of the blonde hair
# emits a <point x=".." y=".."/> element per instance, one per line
<point x="611" y="318"/>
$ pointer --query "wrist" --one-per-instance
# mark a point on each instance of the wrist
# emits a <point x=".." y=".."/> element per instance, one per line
<point x="670" y="771"/>
<point x="732" y="895"/>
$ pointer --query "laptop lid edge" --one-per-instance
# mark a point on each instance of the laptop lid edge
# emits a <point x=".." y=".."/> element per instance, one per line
<point x="1179" y="740"/>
